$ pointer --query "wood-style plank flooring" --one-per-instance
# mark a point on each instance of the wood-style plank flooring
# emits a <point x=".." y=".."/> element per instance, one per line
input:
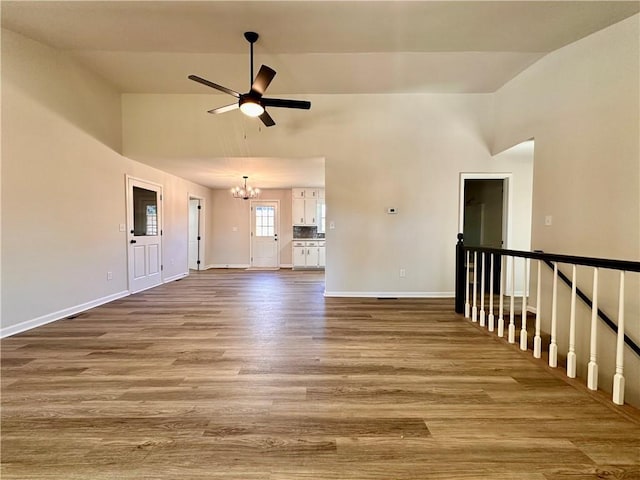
<point x="255" y="375"/>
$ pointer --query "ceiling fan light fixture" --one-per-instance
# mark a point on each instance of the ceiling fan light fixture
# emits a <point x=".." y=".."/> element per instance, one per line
<point x="251" y="107"/>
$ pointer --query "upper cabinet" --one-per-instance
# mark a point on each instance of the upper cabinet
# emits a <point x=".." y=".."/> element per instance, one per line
<point x="304" y="208"/>
<point x="307" y="193"/>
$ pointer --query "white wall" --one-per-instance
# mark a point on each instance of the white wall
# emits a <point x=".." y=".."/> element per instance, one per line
<point x="581" y="104"/>
<point x="63" y="189"/>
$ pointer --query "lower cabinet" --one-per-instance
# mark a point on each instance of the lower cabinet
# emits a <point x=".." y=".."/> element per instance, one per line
<point x="308" y="254"/>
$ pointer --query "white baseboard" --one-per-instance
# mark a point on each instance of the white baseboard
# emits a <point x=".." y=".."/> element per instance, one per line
<point x="390" y="294"/>
<point x="531" y="309"/>
<point x="52" y="317"/>
<point x="227" y="265"/>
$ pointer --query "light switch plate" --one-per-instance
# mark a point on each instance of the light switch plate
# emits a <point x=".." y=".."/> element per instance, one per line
<point x="548" y="220"/>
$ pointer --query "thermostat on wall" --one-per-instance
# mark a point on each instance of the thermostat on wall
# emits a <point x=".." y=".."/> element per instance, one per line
<point x="392" y="210"/>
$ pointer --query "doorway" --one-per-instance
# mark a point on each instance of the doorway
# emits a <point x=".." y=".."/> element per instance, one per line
<point x="195" y="232"/>
<point x="144" y="222"/>
<point x="484" y="213"/>
<point x="265" y="249"/>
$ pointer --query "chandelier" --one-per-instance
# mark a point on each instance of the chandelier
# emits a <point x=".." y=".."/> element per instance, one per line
<point x="245" y="192"/>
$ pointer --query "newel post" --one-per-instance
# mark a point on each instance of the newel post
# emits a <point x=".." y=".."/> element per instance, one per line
<point x="460" y="274"/>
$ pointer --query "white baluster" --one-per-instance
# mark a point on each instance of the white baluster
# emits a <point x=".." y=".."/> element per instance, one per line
<point x="467" y="307"/>
<point x="553" y="346"/>
<point x="537" y="340"/>
<point x="501" y="306"/>
<point x="571" y="355"/>
<point x="512" y="304"/>
<point x="618" y="378"/>
<point x="474" y="309"/>
<point x="491" y="317"/>
<point x="482" y="312"/>
<point x="592" y="375"/>
<point x="523" y="330"/>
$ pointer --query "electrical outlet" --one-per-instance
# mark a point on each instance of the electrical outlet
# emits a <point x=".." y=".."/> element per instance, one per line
<point x="403" y="273"/>
<point x="109" y="275"/>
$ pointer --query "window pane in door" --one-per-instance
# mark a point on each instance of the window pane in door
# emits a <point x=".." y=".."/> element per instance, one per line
<point x="145" y="212"/>
<point x="265" y="221"/>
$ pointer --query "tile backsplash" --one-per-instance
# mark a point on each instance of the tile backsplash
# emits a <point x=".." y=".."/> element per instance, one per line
<point x="306" y="232"/>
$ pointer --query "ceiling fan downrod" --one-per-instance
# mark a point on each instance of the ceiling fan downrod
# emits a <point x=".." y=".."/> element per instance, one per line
<point x="252" y="37"/>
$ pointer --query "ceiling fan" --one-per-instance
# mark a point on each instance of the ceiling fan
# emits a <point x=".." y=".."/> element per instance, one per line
<point x="253" y="103"/>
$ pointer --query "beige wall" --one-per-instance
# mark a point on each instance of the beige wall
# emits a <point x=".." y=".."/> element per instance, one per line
<point x="63" y="189"/>
<point x="403" y="151"/>
<point x="229" y="241"/>
<point x="581" y="103"/>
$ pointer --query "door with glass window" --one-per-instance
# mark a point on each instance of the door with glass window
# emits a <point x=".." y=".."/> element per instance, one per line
<point x="264" y="234"/>
<point x="144" y="201"/>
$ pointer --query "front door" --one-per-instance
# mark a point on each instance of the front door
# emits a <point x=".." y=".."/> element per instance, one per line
<point x="144" y="201"/>
<point x="264" y="234"/>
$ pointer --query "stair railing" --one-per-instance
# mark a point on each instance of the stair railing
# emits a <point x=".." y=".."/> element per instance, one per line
<point x="471" y="265"/>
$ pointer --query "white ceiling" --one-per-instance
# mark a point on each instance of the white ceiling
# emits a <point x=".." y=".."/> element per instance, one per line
<point x="317" y="47"/>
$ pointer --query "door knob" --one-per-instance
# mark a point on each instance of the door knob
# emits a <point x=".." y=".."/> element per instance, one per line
<point x="132" y="241"/>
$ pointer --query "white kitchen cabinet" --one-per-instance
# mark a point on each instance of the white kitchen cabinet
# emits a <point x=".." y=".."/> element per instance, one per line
<point x="311" y="193"/>
<point x="304" y="206"/>
<point x="310" y="211"/>
<point x="312" y="254"/>
<point x="322" y="257"/>
<point x="299" y="256"/>
<point x="298" y="211"/>
<point x="308" y="254"/>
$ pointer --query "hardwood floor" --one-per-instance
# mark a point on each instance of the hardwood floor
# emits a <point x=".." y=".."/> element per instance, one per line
<point x="255" y="375"/>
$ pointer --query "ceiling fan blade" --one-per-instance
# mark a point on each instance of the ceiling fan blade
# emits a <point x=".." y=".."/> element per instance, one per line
<point x="267" y="120"/>
<point x="280" y="102"/>
<point x="203" y="81"/>
<point x="226" y="108"/>
<point x="263" y="79"/>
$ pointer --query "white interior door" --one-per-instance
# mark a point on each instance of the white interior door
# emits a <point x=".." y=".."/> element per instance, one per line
<point x="264" y="234"/>
<point x="194" y="233"/>
<point x="144" y="203"/>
